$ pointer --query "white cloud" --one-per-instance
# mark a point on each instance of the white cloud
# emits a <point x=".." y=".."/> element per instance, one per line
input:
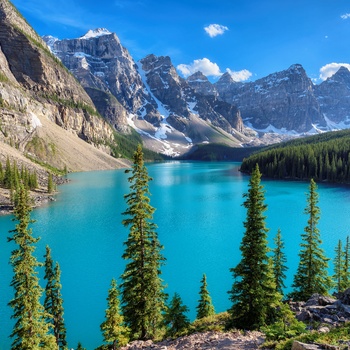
<point x="241" y="75"/>
<point x="215" y="29"/>
<point x="209" y="68"/>
<point x="203" y="65"/>
<point x="329" y="69"/>
<point x="345" y="16"/>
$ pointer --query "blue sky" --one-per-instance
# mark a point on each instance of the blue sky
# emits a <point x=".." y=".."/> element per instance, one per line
<point x="250" y="39"/>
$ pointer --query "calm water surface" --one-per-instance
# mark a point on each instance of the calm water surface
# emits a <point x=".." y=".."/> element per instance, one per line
<point x="200" y="223"/>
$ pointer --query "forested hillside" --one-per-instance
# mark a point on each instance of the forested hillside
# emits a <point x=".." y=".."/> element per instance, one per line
<point x="323" y="157"/>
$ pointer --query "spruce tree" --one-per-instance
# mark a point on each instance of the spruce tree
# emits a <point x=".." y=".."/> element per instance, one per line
<point x="53" y="302"/>
<point x="142" y="290"/>
<point x="80" y="346"/>
<point x="346" y="274"/>
<point x="30" y="329"/>
<point x="113" y="328"/>
<point x="253" y="292"/>
<point x="50" y="184"/>
<point x="311" y="276"/>
<point x="279" y="262"/>
<point x="205" y="306"/>
<point x="175" y="318"/>
<point x="339" y="267"/>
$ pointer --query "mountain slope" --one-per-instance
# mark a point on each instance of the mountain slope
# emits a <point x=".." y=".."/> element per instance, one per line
<point x="154" y="100"/>
<point x="35" y="89"/>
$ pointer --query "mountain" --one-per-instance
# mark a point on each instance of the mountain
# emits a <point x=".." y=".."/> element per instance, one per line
<point x="147" y="95"/>
<point x="45" y="113"/>
<point x="333" y="96"/>
<point x="286" y="102"/>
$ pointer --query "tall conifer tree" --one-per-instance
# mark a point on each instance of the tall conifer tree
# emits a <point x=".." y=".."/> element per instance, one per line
<point x="113" y="328"/>
<point x="253" y="293"/>
<point x="30" y="331"/>
<point x="311" y="276"/>
<point x="339" y="269"/>
<point x="142" y="290"/>
<point x="205" y="306"/>
<point x="346" y="275"/>
<point x="279" y="262"/>
<point x="53" y="302"/>
<point x="175" y="318"/>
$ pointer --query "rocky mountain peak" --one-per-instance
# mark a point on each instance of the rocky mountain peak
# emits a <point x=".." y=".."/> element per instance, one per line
<point x="95" y="33"/>
<point x="342" y="75"/>
<point x="197" y="77"/>
<point x="226" y="78"/>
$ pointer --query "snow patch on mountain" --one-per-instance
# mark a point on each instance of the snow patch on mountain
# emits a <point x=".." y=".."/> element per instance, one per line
<point x="96" y="33"/>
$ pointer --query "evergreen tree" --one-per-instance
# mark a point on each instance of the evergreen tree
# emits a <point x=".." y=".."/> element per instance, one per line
<point x="53" y="302"/>
<point x="8" y="174"/>
<point x="279" y="262"/>
<point x="339" y="267"/>
<point x="50" y="184"/>
<point x="30" y="329"/>
<point x="175" y="318"/>
<point x="113" y="328"/>
<point x="346" y="275"/>
<point x="205" y="307"/>
<point x="253" y="293"/>
<point x="311" y="276"/>
<point x="80" y="347"/>
<point x="143" y="296"/>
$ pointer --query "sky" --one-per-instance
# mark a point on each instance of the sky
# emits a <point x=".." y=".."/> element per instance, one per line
<point x="250" y="39"/>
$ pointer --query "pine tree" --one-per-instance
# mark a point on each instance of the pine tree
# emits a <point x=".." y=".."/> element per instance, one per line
<point x="346" y="275"/>
<point x="53" y="302"/>
<point x="311" y="276"/>
<point x="113" y="328"/>
<point x="80" y="347"/>
<point x="143" y="297"/>
<point x="253" y="292"/>
<point x="339" y="267"/>
<point x="175" y="318"/>
<point x="30" y="329"/>
<point x="205" y="306"/>
<point x="279" y="262"/>
<point x="50" y="184"/>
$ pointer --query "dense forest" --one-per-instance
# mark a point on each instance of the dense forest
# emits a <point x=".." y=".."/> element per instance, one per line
<point x="323" y="157"/>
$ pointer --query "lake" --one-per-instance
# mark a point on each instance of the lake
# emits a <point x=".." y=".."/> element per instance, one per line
<point x="200" y="217"/>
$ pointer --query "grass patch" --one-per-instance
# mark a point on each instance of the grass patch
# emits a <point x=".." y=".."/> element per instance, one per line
<point x="47" y="166"/>
<point x="3" y="78"/>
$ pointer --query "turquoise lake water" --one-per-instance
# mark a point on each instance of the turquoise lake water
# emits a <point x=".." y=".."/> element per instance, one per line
<point x="200" y="223"/>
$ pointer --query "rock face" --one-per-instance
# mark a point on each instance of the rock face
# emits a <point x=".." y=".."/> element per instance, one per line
<point x="283" y="100"/>
<point x="333" y="96"/>
<point x="35" y="86"/>
<point x="152" y="97"/>
<point x="324" y="310"/>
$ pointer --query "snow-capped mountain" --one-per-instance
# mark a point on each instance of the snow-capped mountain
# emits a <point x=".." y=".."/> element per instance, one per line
<point x="152" y="98"/>
<point x="172" y="113"/>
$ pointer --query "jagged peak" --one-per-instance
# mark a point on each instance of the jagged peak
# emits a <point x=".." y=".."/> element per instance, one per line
<point x="296" y="68"/>
<point x="226" y="78"/>
<point x="198" y="76"/>
<point x="95" y="33"/>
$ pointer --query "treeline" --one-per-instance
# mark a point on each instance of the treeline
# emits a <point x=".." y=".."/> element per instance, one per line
<point x="12" y="176"/>
<point x="322" y="157"/>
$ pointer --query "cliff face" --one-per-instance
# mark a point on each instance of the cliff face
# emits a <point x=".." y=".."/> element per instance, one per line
<point x="333" y="96"/>
<point x="148" y="95"/>
<point x="34" y="86"/>
<point x="283" y="100"/>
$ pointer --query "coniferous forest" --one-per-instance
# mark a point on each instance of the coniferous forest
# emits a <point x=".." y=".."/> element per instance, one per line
<point x="323" y="157"/>
<point x="139" y="309"/>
